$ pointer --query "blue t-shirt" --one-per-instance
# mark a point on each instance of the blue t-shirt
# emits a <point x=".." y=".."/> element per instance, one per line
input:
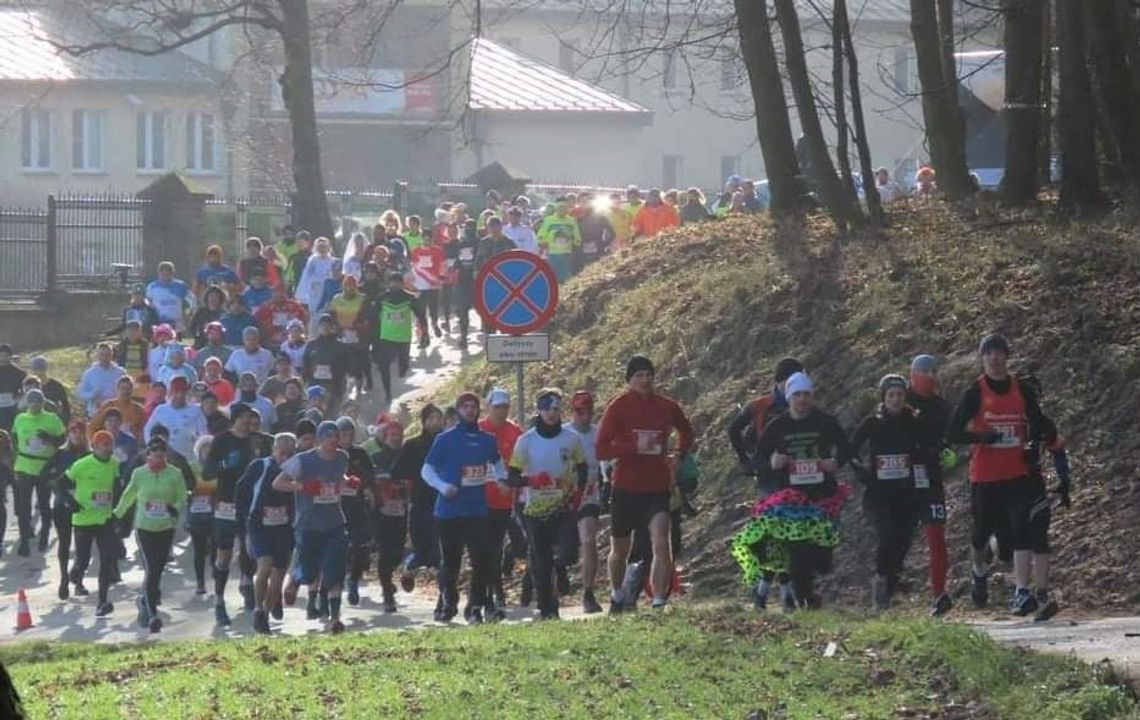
<point x="234" y="326"/>
<point x="464" y="457"/>
<point x="321" y="512"/>
<point x="255" y="298"/>
<point x="210" y="276"/>
<point x="168" y="299"/>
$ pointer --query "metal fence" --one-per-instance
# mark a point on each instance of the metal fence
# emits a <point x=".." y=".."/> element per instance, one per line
<point x="23" y="252"/>
<point x="94" y="234"/>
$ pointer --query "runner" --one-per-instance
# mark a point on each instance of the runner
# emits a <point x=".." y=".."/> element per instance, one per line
<point x="519" y="232"/>
<point x="390" y="505"/>
<point x="590" y="504"/>
<point x="316" y="477"/>
<point x="294" y="346"/>
<point x="347" y="309"/>
<point x="597" y="232"/>
<point x="934" y="414"/>
<point x="98" y="382"/>
<point x="500" y="503"/>
<point x="274" y="386"/>
<point x="794" y="529"/>
<point x="560" y="240"/>
<point x="200" y="514"/>
<point x="54" y="391"/>
<point x="427" y="261"/>
<point x="465" y="252"/>
<point x="355" y="503"/>
<point x="161" y="337"/>
<point x="267" y="516"/>
<point x="634" y="431"/>
<point x="139" y="309"/>
<point x="654" y="216"/>
<point x="11" y="385"/>
<point x="158" y="494"/>
<point x="325" y="362"/>
<point x="999" y="416"/>
<point x="130" y="411"/>
<point x="252" y="261"/>
<point x="549" y="462"/>
<point x="75" y="448"/>
<point x="176" y="366"/>
<point x="744" y="433"/>
<point x="230" y="454"/>
<point x="291" y="407"/>
<point x="87" y="488"/>
<point x="185" y="422"/>
<point x="896" y="441"/>
<point x="213" y="273"/>
<point x="170" y="297"/>
<point x="421" y="514"/>
<point x="311" y="285"/>
<point x="36" y="437"/>
<point x="275" y="317"/>
<point x="298" y="260"/>
<point x="251" y="357"/>
<point x="394" y="313"/>
<point x="221" y="388"/>
<point x="457" y="466"/>
<point x="133" y="351"/>
<point x="210" y="311"/>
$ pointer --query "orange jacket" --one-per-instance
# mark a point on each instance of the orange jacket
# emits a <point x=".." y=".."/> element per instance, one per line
<point x="652" y="219"/>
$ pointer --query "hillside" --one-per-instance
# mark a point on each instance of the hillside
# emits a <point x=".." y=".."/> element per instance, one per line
<point x="717" y="305"/>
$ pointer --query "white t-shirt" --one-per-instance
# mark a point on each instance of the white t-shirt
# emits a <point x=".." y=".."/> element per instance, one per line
<point x="259" y="363"/>
<point x="186" y="424"/>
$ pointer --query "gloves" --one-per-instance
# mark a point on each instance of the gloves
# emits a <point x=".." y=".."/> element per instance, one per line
<point x="123" y="528"/>
<point x="687" y="473"/>
<point x="1061" y="465"/>
<point x="66" y="502"/>
<point x="311" y="488"/>
<point x="170" y="508"/>
<point x="352" y="482"/>
<point x="948" y="459"/>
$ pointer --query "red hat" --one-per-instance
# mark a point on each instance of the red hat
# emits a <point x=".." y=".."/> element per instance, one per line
<point x="467" y="397"/>
<point x="583" y="399"/>
<point x="102" y="438"/>
<point x="163" y="330"/>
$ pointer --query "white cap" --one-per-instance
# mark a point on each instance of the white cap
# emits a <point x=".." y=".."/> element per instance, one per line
<point x="498" y="396"/>
<point x="797" y="383"/>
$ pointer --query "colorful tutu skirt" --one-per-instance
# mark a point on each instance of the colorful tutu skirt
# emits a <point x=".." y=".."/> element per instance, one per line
<point x="786" y="516"/>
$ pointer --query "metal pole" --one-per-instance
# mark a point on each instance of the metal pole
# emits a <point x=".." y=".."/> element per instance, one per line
<point x="521" y="407"/>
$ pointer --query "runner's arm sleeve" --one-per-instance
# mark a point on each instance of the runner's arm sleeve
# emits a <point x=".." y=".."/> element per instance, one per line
<point x="688" y="437"/>
<point x="187" y="473"/>
<point x="1040" y="425"/>
<point x="844" y="453"/>
<point x="85" y="390"/>
<point x="432" y="477"/>
<point x="967" y="408"/>
<point x="130" y="493"/>
<point x="736" y="430"/>
<point x="243" y="493"/>
<point x="212" y="465"/>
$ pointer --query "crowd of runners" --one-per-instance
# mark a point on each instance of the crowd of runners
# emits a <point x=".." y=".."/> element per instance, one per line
<point x="221" y="411"/>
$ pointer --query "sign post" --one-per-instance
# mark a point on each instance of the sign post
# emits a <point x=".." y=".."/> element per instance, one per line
<point x="516" y="293"/>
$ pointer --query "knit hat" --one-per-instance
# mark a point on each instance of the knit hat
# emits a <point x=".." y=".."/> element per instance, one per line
<point x="314" y="391"/>
<point x="787" y="367"/>
<point x="582" y="400"/>
<point x="157" y="444"/>
<point x="891" y="381"/>
<point x="636" y="364"/>
<point x="798" y="383"/>
<point x="306" y="427"/>
<point x="327" y="429"/>
<point x="467" y="397"/>
<point x="346" y="424"/>
<point x="102" y="438"/>
<point x="427" y="410"/>
<point x="993" y="341"/>
<point x="925" y="364"/>
<point x="39" y="362"/>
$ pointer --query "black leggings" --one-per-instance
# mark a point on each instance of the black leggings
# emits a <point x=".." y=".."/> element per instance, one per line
<point x="390" y="532"/>
<point x="445" y="295"/>
<point x="430" y="302"/>
<point x="497" y="522"/>
<point x="23" y="489"/>
<point x="201" y="539"/>
<point x="545" y="535"/>
<point x="62" y="521"/>
<point x="385" y="352"/>
<point x="155" y="548"/>
<point x="359" y="366"/>
<point x="104" y="535"/>
<point x="894" y="516"/>
<point x="805" y="561"/>
<point x="455" y="534"/>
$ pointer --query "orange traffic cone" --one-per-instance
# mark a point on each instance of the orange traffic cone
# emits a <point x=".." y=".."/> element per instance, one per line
<point x="23" y="614"/>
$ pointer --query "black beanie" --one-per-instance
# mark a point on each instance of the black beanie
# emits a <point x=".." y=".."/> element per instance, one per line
<point x="993" y="341"/>
<point x="636" y="364"/>
<point x="427" y="410"/>
<point x="788" y="367"/>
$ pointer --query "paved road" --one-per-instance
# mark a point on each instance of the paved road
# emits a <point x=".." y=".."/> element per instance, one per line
<point x="1093" y="640"/>
<point x="186" y="615"/>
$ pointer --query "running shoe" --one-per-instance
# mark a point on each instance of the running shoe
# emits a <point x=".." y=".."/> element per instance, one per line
<point x="562" y="581"/>
<point x="942" y="605"/>
<point x="353" y="592"/>
<point x="143" y="616"/>
<point x="336" y="627"/>
<point x="64" y="589"/>
<point x="155" y="624"/>
<point x="1023" y="603"/>
<point x="221" y="617"/>
<point x="104" y="609"/>
<point x="408" y="580"/>
<point x="1048" y="608"/>
<point x="277" y="612"/>
<point x="590" y="605"/>
<point x="979" y="591"/>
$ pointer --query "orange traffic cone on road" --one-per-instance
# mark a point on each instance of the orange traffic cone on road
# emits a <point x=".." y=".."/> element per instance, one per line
<point x="23" y="614"/>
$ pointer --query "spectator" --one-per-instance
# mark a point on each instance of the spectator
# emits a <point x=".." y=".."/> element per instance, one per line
<point x="694" y="209"/>
<point x="888" y="189"/>
<point x="654" y="216"/>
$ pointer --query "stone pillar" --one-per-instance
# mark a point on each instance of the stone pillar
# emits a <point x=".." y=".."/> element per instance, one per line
<point x="174" y="224"/>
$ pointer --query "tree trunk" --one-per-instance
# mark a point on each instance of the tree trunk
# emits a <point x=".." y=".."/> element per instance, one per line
<point x="1048" y="101"/>
<point x="1080" y="184"/>
<point x="772" y="124"/>
<point x="945" y="126"/>
<point x="839" y="203"/>
<point x="310" y="206"/>
<point x="870" y="192"/>
<point x="839" y="95"/>
<point x="1116" y="85"/>
<point x="1023" y="27"/>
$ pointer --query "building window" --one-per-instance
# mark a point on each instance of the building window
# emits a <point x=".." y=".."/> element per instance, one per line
<point x="669" y="70"/>
<point x="201" y="144"/>
<point x="729" y="166"/>
<point x="36" y="139"/>
<point x="567" y="57"/>
<point x="730" y="71"/>
<point x="87" y="140"/>
<point x="671" y="171"/>
<point x="150" y="141"/>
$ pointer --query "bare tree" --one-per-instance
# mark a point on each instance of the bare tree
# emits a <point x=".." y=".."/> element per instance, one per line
<point x="933" y="32"/>
<point x="1110" y="29"/>
<point x="772" y="124"/>
<point x="1023" y="106"/>
<point x="1080" y="181"/>
<point x="870" y="191"/>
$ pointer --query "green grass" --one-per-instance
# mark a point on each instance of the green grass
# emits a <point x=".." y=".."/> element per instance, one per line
<point x="703" y="662"/>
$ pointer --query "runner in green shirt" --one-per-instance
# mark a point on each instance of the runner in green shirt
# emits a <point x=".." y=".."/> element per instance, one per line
<point x="36" y="437"/>
<point x="158" y="493"/>
<point x="88" y="487"/>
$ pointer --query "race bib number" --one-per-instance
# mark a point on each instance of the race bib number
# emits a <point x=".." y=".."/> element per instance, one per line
<point x="545" y="495"/>
<point x="350" y="336"/>
<point x="7" y="400"/>
<point x="893" y="467"/>
<point x="200" y="505"/>
<point x="424" y="263"/>
<point x="347" y="490"/>
<point x="155" y="509"/>
<point x="648" y="442"/>
<point x="921" y="479"/>
<point x="393" y="508"/>
<point x="280" y="319"/>
<point x="804" y="472"/>
<point x="1009" y="435"/>
<point x="473" y="476"/>
<point x="590" y="248"/>
<point x="329" y="495"/>
<point x="225" y="511"/>
<point x="395" y="317"/>
<point x="466" y="254"/>
<point x="322" y="372"/>
<point x="101" y="500"/>
<point x="275" y="516"/>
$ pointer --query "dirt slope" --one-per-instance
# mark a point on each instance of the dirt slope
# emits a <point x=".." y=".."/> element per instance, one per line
<point x="717" y="305"/>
